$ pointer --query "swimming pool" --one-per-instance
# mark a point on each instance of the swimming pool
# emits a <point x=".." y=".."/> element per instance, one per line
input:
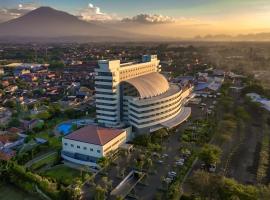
<point x="66" y="127"/>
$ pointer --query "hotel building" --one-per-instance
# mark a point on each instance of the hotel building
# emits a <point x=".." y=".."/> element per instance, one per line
<point x="136" y="94"/>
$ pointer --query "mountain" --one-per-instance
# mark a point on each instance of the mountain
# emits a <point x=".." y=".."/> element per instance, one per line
<point x="48" y="24"/>
<point x="241" y="37"/>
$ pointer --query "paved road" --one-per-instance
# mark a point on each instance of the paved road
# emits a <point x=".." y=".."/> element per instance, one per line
<point x="39" y="158"/>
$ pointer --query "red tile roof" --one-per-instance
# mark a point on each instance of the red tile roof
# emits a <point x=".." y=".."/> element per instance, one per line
<point x="94" y="135"/>
<point x="7" y="155"/>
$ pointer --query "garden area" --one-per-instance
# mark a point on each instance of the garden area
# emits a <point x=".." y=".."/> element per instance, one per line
<point x="65" y="174"/>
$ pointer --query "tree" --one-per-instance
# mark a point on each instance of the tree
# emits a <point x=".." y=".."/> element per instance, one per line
<point x="174" y="191"/>
<point x="212" y="186"/>
<point x="14" y="122"/>
<point x="11" y="104"/>
<point x="106" y="183"/>
<point x="241" y="113"/>
<point x="44" y="115"/>
<point x="204" y="185"/>
<point x="100" y="193"/>
<point x="210" y="154"/>
<point x="103" y="162"/>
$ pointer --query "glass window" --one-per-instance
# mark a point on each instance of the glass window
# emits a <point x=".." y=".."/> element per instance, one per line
<point x="91" y="149"/>
<point x="84" y="148"/>
<point x="72" y="145"/>
<point x="78" y="147"/>
<point x="98" y="151"/>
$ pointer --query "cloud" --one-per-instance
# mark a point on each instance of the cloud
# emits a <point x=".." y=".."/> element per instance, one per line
<point x="93" y="13"/>
<point x="27" y="6"/>
<point x="12" y="13"/>
<point x="150" y="19"/>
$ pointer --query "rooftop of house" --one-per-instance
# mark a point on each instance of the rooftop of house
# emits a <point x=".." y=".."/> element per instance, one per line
<point x="92" y="134"/>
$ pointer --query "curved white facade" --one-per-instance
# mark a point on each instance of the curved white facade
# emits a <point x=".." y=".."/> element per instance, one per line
<point x="146" y="113"/>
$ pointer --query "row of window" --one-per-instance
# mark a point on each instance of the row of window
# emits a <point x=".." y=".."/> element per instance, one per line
<point x="157" y="114"/>
<point x="105" y="109"/>
<point x="105" y="87"/>
<point x="134" y="74"/>
<point x="105" y="93"/>
<point x="155" y="109"/>
<point x="143" y="66"/>
<point x="151" y="121"/>
<point x="78" y="147"/>
<point x="106" y="104"/>
<point x="106" y="98"/>
<point x="115" y="143"/>
<point x="110" y="120"/>
<point x="105" y="74"/>
<point x="106" y="115"/>
<point x="153" y="104"/>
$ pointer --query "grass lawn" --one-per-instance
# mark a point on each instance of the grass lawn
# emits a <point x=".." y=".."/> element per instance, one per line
<point x="63" y="174"/>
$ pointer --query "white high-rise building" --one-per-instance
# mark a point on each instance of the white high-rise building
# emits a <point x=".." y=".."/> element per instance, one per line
<point x="136" y="94"/>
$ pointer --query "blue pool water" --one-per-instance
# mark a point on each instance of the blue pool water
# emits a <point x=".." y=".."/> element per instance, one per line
<point x="64" y="128"/>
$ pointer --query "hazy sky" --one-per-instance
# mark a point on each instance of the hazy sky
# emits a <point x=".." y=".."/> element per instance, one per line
<point x="223" y="16"/>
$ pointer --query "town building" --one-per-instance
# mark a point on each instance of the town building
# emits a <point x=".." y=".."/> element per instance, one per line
<point x="136" y="94"/>
<point x="90" y="143"/>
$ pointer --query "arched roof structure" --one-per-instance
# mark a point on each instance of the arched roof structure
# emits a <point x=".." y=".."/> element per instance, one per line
<point x="149" y="85"/>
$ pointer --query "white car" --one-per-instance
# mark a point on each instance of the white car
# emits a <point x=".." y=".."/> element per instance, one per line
<point x="165" y="155"/>
<point x="168" y="180"/>
<point x="181" y="160"/>
<point x="172" y="173"/>
<point x="160" y="161"/>
<point x="179" y="163"/>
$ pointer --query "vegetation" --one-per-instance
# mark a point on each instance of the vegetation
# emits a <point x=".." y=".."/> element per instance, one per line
<point x="26" y="180"/>
<point x="151" y="141"/>
<point x="211" y="186"/>
<point x="263" y="159"/>
<point x="63" y="174"/>
<point x="210" y="154"/>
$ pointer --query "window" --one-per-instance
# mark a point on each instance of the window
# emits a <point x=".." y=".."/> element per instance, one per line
<point x="98" y="151"/>
<point x="78" y="147"/>
<point x="72" y="145"/>
<point x="91" y="149"/>
<point x="65" y="144"/>
<point x="84" y="148"/>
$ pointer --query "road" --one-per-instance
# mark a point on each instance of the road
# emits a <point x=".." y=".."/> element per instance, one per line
<point x="39" y="158"/>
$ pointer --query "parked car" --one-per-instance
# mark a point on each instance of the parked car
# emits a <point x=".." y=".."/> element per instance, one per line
<point x="212" y="168"/>
<point x="172" y="173"/>
<point x="168" y="180"/>
<point x="179" y="163"/>
<point x="164" y="155"/>
<point x="160" y="161"/>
